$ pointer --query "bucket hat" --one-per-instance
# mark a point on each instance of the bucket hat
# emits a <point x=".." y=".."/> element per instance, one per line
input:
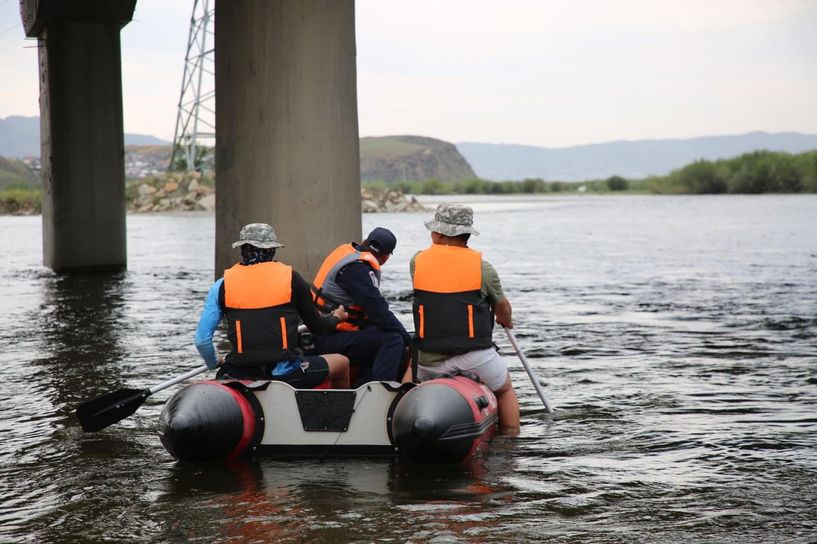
<point x="259" y="235"/>
<point x="452" y="220"/>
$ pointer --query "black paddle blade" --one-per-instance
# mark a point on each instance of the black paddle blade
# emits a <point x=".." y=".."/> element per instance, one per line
<point x="98" y="413"/>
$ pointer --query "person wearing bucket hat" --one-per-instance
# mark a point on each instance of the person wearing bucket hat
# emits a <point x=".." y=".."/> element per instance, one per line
<point x="373" y="338"/>
<point x="452" y="220"/>
<point x="457" y="295"/>
<point x="263" y="301"/>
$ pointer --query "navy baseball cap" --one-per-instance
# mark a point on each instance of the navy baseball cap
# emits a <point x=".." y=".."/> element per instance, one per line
<point x="381" y="241"/>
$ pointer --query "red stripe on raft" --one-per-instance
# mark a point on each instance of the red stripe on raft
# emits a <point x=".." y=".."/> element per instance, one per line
<point x="248" y="417"/>
<point x="469" y="389"/>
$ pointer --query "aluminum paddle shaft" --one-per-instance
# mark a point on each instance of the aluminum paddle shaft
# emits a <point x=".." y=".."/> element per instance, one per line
<point x="533" y="379"/>
<point x="96" y="414"/>
<point x="178" y="379"/>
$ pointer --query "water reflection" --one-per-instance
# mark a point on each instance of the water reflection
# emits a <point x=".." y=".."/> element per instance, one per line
<point x="81" y="320"/>
<point x="263" y="500"/>
<point x="75" y="345"/>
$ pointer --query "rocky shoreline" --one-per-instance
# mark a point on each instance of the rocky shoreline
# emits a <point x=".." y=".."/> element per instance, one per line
<point x="176" y="192"/>
<point x="184" y="192"/>
<point x="190" y="191"/>
<point x="375" y="200"/>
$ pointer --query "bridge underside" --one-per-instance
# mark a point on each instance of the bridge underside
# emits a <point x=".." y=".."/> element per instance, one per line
<point x="287" y="139"/>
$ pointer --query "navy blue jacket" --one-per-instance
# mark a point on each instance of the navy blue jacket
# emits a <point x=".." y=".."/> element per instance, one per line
<point x="356" y="280"/>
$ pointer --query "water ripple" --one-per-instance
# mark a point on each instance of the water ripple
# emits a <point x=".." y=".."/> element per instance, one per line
<point x="678" y="350"/>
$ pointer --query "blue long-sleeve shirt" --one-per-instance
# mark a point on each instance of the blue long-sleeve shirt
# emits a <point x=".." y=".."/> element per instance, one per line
<point x="213" y="313"/>
<point x="208" y="323"/>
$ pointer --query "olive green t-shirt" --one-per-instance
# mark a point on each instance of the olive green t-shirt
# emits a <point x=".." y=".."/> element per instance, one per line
<point x="491" y="289"/>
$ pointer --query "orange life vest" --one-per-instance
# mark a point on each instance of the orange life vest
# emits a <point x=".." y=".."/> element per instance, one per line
<point x="262" y="319"/>
<point x="328" y="295"/>
<point x="450" y="313"/>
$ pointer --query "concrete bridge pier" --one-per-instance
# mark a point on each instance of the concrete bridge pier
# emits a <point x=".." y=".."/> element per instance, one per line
<point x="83" y="170"/>
<point x="287" y="149"/>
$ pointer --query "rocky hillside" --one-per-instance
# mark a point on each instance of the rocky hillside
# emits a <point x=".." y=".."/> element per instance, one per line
<point x="14" y="172"/>
<point x="411" y="158"/>
<point x="387" y="158"/>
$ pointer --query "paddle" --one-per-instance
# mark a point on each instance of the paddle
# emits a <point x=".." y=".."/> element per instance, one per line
<point x="98" y="413"/>
<point x="533" y="379"/>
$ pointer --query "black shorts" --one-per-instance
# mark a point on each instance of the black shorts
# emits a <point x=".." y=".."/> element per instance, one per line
<point x="313" y="371"/>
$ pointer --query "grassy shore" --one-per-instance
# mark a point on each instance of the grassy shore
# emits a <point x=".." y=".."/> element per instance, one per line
<point x="21" y="201"/>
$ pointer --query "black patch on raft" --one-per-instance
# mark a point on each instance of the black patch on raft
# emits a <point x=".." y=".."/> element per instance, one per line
<point x="325" y="411"/>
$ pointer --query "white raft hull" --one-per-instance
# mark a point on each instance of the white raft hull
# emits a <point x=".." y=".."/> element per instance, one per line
<point x="441" y="421"/>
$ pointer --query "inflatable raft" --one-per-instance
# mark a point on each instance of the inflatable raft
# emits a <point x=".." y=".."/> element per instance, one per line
<point x="440" y="421"/>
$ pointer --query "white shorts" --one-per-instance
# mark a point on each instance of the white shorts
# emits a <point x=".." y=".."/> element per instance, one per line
<point x="485" y="363"/>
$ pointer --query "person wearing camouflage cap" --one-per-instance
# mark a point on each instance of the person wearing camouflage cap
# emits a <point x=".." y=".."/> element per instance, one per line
<point x="373" y="338"/>
<point x="263" y="302"/>
<point x="259" y="235"/>
<point x="452" y="220"/>
<point x="457" y="295"/>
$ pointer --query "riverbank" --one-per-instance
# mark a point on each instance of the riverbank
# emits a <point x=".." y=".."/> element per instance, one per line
<point x="192" y="191"/>
<point x="22" y="201"/>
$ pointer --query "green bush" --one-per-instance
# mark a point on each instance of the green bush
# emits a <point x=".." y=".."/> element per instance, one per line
<point x="806" y="166"/>
<point x="750" y="173"/>
<point x="617" y="183"/>
<point x="702" y="177"/>
<point x="533" y="185"/>
<point x="21" y="201"/>
<point x="432" y="187"/>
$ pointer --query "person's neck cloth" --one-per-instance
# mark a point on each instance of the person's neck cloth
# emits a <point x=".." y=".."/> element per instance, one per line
<point x="254" y="255"/>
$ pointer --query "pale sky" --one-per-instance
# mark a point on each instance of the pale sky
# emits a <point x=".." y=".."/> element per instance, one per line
<point x="550" y="73"/>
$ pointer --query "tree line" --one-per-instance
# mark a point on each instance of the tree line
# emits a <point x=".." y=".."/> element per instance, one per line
<point x="750" y="173"/>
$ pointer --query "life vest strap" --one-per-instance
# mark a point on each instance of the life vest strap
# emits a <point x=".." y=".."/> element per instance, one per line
<point x="319" y="295"/>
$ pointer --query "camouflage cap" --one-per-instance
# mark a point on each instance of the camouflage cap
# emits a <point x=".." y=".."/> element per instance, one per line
<point x="452" y="220"/>
<point x="258" y="235"/>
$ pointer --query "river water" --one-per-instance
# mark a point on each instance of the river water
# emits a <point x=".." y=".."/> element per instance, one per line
<point x="676" y="338"/>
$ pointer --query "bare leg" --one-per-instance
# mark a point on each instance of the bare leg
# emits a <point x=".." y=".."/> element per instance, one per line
<point x="508" y="406"/>
<point x="407" y="374"/>
<point x="338" y="370"/>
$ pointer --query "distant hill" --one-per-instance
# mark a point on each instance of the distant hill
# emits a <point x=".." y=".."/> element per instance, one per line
<point x="20" y="137"/>
<point x="411" y="158"/>
<point x="630" y="159"/>
<point x="14" y="172"/>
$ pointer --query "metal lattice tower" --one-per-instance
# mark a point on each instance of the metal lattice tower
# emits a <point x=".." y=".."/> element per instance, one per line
<point x="195" y="133"/>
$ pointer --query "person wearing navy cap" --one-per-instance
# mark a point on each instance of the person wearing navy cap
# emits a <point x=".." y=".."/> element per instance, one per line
<point x="372" y="337"/>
